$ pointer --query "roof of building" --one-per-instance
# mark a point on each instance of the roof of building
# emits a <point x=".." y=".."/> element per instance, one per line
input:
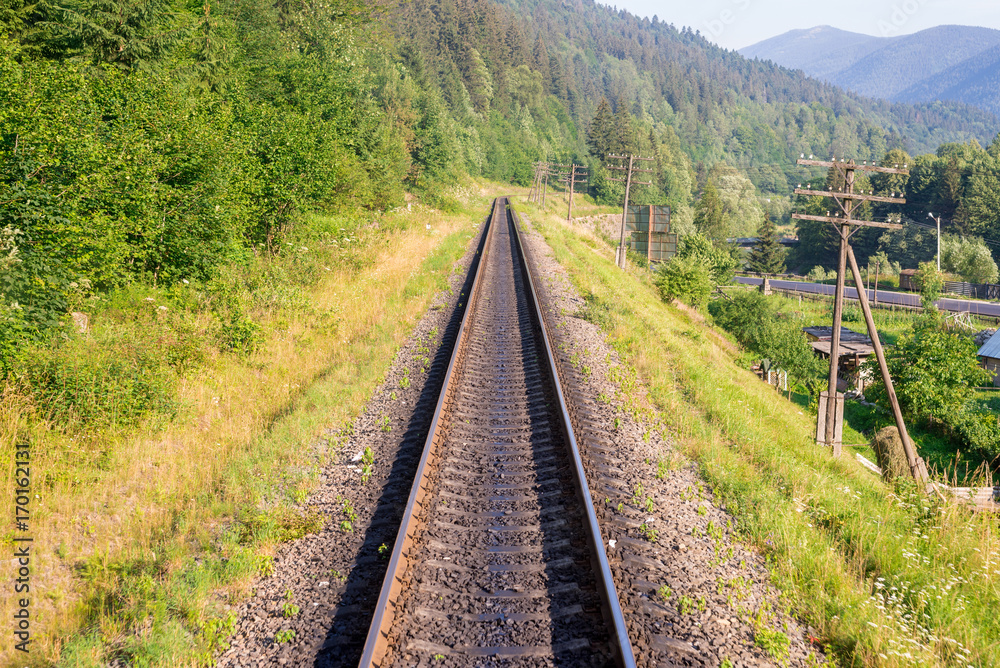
<point x="991" y="348"/>
<point x="826" y="333"/>
<point x="847" y="348"/>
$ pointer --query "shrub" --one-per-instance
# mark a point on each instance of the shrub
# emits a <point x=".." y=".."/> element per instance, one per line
<point x="977" y="430"/>
<point x="817" y="274"/>
<point x="685" y="279"/>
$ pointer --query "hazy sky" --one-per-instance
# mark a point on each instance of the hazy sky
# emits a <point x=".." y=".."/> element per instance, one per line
<point x="734" y="24"/>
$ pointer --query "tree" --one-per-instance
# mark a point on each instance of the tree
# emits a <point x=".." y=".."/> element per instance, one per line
<point x="686" y="279"/>
<point x="624" y="134"/>
<point x="934" y="372"/>
<point x="720" y="260"/>
<point x="600" y="135"/>
<point x="709" y="217"/>
<point x="969" y="258"/>
<point x="767" y="255"/>
<point x="751" y="318"/>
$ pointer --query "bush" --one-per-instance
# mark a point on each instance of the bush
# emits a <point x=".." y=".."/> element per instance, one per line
<point x="976" y="430"/>
<point x="817" y="274"/>
<point x="720" y="260"/>
<point x="685" y="279"/>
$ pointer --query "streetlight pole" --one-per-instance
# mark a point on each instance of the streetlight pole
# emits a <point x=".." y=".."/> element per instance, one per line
<point x="938" y="221"/>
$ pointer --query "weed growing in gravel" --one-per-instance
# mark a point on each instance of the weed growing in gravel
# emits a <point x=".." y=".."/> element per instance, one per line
<point x="649" y="504"/>
<point x="346" y="527"/>
<point x="392" y="396"/>
<point x="286" y="635"/>
<point x="773" y="642"/>
<point x="348" y="509"/>
<point x="289" y="610"/>
<point x="697" y="532"/>
<point x="702" y="604"/>
<point x="367" y="461"/>
<point x="603" y="398"/>
<point x="726" y="663"/>
<point x="702" y="510"/>
<point x="383" y="551"/>
<point x="685" y="604"/>
<point x="384" y="424"/>
<point x="637" y="494"/>
<point x="404" y="382"/>
<point x="648" y="532"/>
<point x="714" y="531"/>
<point x="664" y="592"/>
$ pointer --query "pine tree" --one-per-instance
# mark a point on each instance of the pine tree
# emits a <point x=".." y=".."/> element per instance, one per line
<point x="600" y="135"/>
<point x="624" y="134"/>
<point x="767" y="255"/>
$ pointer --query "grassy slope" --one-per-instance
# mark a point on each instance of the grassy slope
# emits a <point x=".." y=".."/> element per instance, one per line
<point x="885" y="576"/>
<point x="134" y="536"/>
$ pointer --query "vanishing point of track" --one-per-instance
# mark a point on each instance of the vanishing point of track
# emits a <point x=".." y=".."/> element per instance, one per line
<point x="499" y="559"/>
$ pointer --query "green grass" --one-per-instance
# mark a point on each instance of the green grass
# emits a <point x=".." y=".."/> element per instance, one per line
<point x="886" y="576"/>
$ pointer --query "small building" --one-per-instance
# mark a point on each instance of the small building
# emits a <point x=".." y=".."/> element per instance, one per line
<point x="908" y="280"/>
<point x="855" y="348"/>
<point x="989" y="356"/>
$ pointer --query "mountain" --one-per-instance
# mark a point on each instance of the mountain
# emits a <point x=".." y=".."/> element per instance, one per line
<point x="953" y="63"/>
<point x="975" y="83"/>
<point x="820" y="52"/>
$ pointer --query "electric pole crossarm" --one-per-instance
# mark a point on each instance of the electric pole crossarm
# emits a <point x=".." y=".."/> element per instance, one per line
<point x="634" y="169"/>
<point x="853" y="196"/>
<point x="635" y="183"/>
<point x="844" y="165"/>
<point x="845" y="221"/>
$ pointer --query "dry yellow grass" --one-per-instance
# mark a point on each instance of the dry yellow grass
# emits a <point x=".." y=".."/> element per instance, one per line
<point x="120" y="496"/>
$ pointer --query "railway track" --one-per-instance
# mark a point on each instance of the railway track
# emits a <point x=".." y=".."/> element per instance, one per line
<point x="499" y="559"/>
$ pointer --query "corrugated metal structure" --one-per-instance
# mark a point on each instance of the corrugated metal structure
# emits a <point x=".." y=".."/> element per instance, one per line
<point x="989" y="354"/>
<point x="649" y="231"/>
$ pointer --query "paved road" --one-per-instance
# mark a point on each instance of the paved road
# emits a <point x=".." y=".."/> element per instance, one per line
<point x="884" y="297"/>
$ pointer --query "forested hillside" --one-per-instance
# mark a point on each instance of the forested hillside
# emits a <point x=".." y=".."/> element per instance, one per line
<point x="157" y="140"/>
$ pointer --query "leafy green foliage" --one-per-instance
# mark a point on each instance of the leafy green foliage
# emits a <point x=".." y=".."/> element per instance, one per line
<point x="752" y="319"/>
<point x="97" y="383"/>
<point x="686" y="279"/>
<point x="970" y="258"/>
<point x="977" y="430"/>
<point x="930" y="282"/>
<point x="933" y="370"/>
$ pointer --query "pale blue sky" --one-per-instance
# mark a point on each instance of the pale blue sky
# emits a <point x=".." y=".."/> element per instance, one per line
<point x="734" y="24"/>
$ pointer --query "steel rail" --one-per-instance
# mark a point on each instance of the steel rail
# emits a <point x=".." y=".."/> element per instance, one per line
<point x="612" y="609"/>
<point x="376" y="644"/>
<point x="385" y="612"/>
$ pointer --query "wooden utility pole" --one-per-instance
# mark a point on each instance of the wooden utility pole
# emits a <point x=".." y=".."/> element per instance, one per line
<point x="536" y="184"/>
<point x="629" y="171"/>
<point x="571" y="179"/>
<point x="846" y="225"/>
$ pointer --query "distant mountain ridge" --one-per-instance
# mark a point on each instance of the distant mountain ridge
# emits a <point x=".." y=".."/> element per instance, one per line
<point x="948" y="63"/>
